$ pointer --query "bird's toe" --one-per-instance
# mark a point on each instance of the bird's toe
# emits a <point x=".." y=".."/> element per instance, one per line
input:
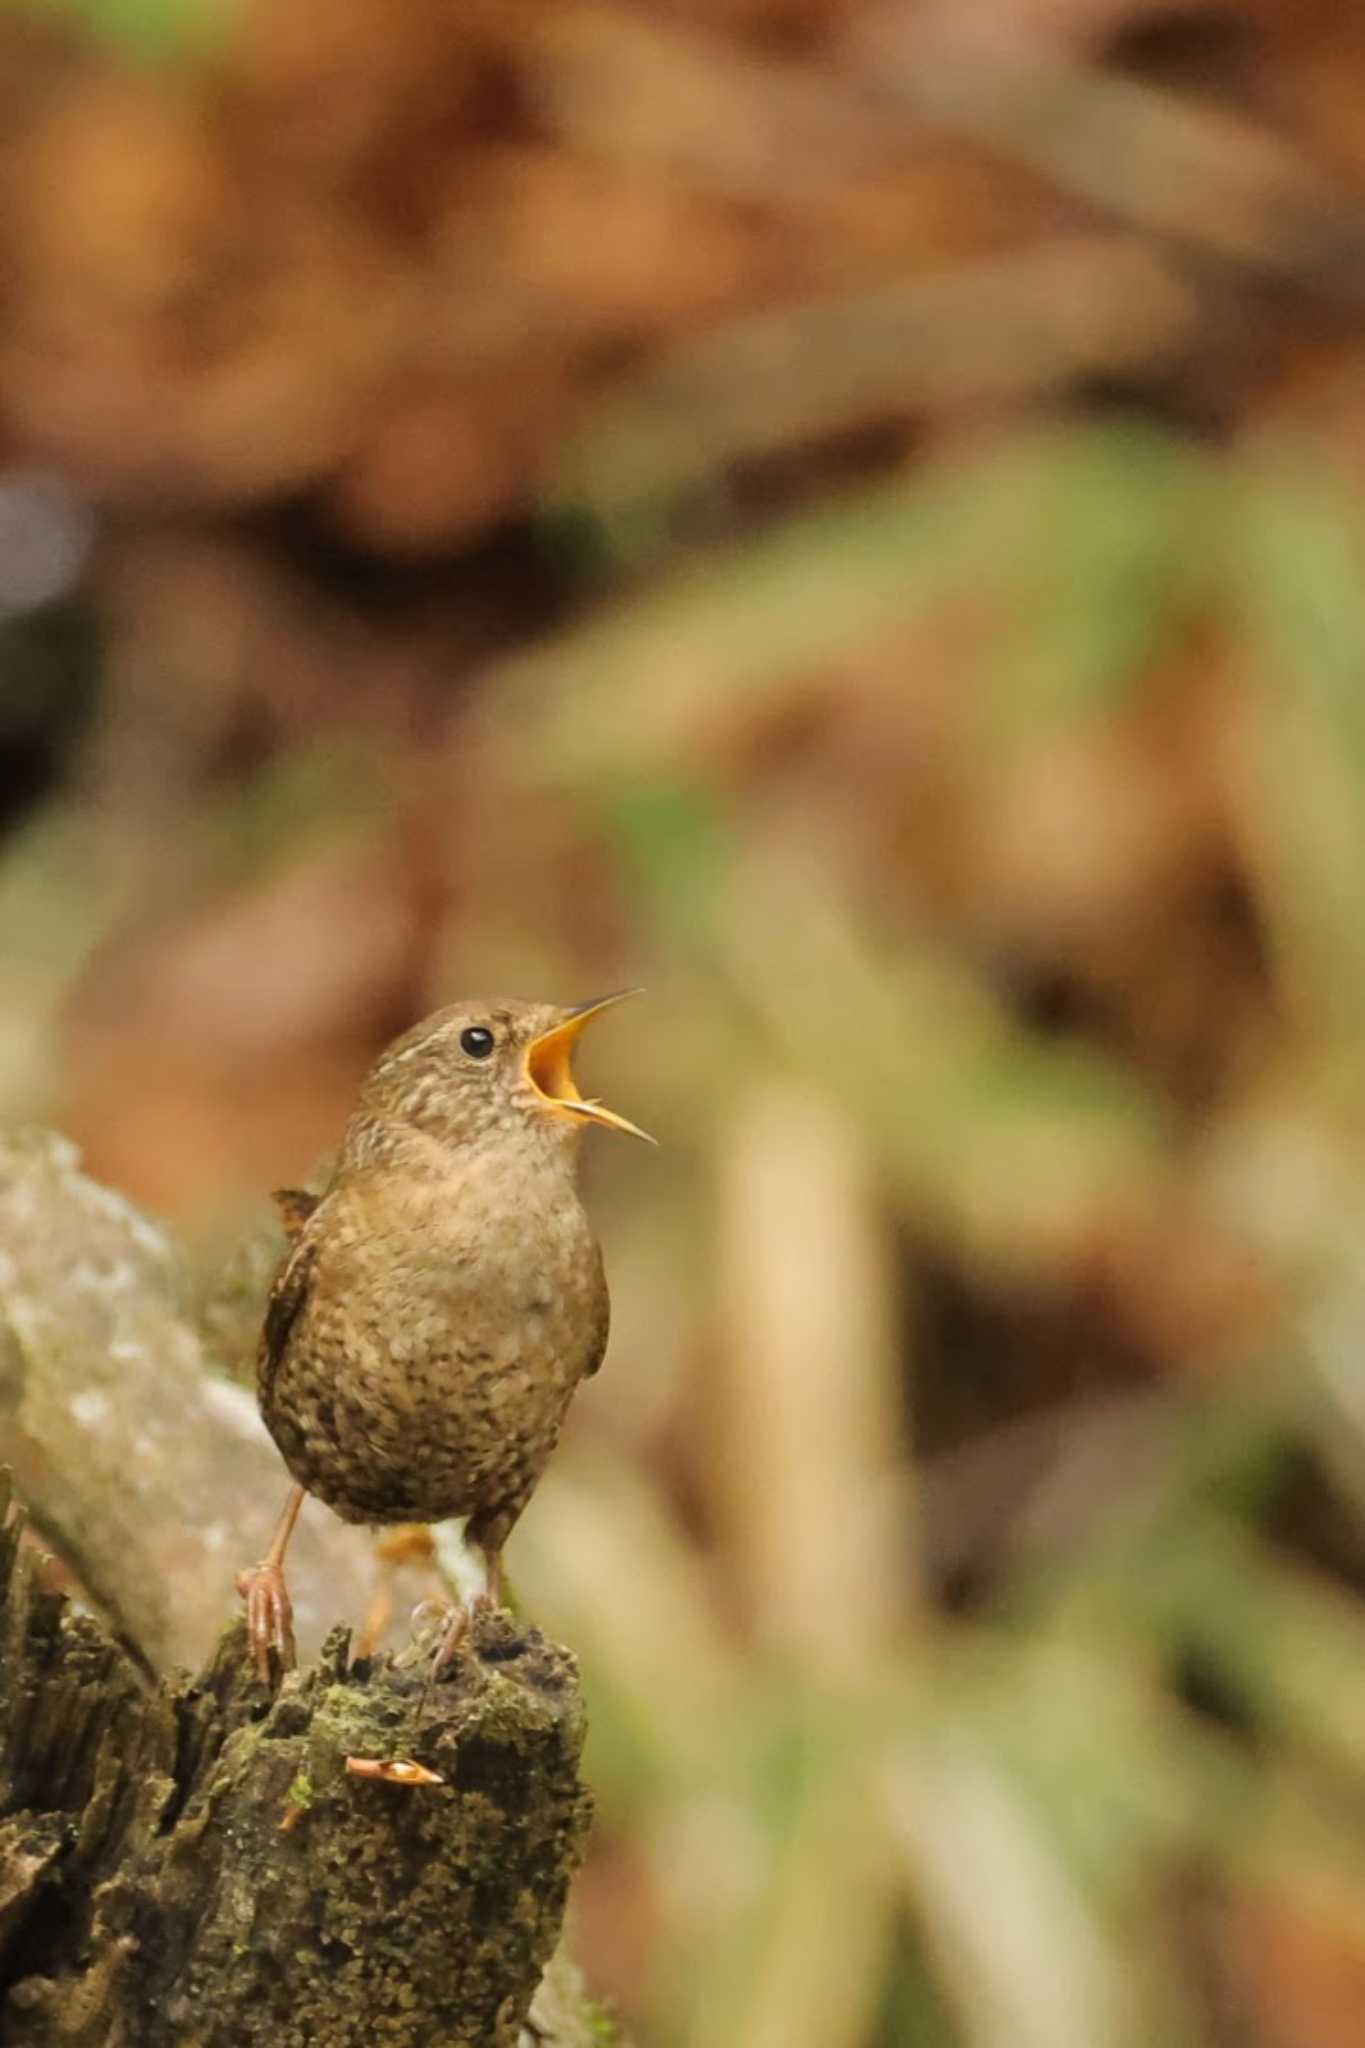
<point x="269" y="1619"/>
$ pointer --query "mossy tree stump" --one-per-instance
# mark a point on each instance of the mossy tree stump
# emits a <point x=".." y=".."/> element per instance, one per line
<point x="193" y="1865"/>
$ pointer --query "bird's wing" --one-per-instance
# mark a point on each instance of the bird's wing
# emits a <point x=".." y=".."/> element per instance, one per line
<point x="292" y="1285"/>
<point x="602" y="1323"/>
<point x="295" y="1205"/>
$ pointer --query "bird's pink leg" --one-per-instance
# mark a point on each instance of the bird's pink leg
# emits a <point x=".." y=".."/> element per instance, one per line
<point x="269" y="1611"/>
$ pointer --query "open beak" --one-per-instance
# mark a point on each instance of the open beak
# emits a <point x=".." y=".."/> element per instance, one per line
<point x="549" y="1067"/>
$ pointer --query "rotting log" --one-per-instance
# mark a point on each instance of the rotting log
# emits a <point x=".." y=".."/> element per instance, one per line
<point x="192" y="1865"/>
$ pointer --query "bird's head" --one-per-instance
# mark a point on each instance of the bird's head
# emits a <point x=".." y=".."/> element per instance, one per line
<point x="495" y="1066"/>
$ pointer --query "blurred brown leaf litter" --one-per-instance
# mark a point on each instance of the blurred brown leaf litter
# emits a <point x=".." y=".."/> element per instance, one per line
<point x="848" y="515"/>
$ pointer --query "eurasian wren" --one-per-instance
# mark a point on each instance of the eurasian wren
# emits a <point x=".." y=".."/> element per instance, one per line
<point x="442" y="1298"/>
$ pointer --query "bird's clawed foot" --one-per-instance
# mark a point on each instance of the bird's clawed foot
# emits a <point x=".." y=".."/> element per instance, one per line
<point x="461" y="1622"/>
<point x="269" y="1617"/>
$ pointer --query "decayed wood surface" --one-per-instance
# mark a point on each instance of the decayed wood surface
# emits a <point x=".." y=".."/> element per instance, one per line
<point x="195" y="1865"/>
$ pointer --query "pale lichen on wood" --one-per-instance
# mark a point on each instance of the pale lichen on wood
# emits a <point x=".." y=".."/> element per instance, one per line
<point x="149" y="1472"/>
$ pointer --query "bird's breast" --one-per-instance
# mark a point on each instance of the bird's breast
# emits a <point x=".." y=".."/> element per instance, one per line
<point x="454" y="1289"/>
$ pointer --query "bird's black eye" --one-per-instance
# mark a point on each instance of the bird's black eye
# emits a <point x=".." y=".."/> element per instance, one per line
<point x="477" y="1041"/>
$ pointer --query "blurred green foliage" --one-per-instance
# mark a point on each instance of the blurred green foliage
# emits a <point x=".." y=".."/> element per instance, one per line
<point x="1153" y="1691"/>
<point x="150" y="31"/>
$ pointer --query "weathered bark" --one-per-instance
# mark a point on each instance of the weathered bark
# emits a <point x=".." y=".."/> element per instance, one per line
<point x="150" y="1474"/>
<point x="153" y="1896"/>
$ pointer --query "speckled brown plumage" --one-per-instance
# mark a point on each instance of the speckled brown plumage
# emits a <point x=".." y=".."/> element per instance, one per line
<point x="444" y="1296"/>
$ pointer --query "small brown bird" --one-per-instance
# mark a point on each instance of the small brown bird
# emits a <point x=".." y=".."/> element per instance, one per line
<point x="442" y="1298"/>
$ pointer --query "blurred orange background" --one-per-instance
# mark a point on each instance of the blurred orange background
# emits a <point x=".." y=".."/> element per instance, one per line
<point x="850" y="515"/>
